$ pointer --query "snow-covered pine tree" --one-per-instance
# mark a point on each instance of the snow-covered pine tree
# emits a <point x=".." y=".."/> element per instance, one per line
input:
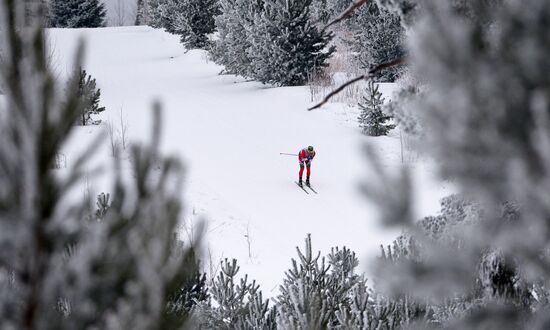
<point x="77" y="13"/>
<point x="58" y="270"/>
<point x="314" y="291"/>
<point x="401" y="108"/>
<point x="319" y="296"/>
<point x="194" y="21"/>
<point x="286" y="45"/>
<point x="324" y="10"/>
<point x="154" y="13"/>
<point x="302" y="302"/>
<point x="377" y="38"/>
<point x="485" y="109"/>
<point x="342" y="281"/>
<point x="372" y="120"/>
<point x="161" y="14"/>
<point x="260" y="315"/>
<point x="237" y="304"/>
<point x="89" y="96"/>
<point x="188" y="291"/>
<point x="164" y="14"/>
<point x="492" y="277"/>
<point x="406" y="9"/>
<point x="319" y="11"/>
<point x="142" y="12"/>
<point x="231" y="47"/>
<point x="230" y="294"/>
<point x="227" y="27"/>
<point x="336" y="7"/>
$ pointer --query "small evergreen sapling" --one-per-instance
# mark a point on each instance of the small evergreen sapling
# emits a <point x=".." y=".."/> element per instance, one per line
<point x="302" y="302"/>
<point x="89" y="96"/>
<point x="372" y="120"/>
<point x="188" y="291"/>
<point x="238" y="304"/>
<point x="313" y="292"/>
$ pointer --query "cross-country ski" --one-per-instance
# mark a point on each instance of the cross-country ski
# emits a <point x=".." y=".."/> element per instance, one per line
<point x="301" y="187"/>
<point x="310" y="187"/>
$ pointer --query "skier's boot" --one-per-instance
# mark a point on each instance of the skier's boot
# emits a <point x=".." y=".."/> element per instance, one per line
<point x="300" y="182"/>
<point x="307" y="181"/>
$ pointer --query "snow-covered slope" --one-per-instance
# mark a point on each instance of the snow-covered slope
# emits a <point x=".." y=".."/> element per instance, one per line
<point x="230" y="133"/>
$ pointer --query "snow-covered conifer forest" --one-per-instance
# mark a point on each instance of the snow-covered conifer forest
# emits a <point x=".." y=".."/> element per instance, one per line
<point x="150" y="154"/>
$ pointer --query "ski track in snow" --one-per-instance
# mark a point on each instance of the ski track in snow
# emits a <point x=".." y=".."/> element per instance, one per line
<point x="229" y="133"/>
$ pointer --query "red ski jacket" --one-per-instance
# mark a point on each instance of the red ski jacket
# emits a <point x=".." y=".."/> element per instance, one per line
<point x="305" y="156"/>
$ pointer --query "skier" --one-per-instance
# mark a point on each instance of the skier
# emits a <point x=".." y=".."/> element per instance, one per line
<point x="305" y="156"/>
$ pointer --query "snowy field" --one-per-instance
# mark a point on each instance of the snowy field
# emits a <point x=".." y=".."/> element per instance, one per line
<point x="230" y="134"/>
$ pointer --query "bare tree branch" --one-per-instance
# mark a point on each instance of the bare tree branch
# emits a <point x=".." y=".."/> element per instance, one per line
<point x="347" y="13"/>
<point x="336" y="91"/>
<point x="367" y="76"/>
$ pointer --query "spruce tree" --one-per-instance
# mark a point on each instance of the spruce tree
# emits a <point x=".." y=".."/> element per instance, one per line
<point x="314" y="292"/>
<point x="194" y="21"/>
<point x="286" y="46"/>
<point x="302" y="302"/>
<point x="372" y="120"/>
<point x="231" y="47"/>
<point x="237" y="304"/>
<point x="319" y="11"/>
<point x="336" y="7"/>
<point x="142" y="12"/>
<point x="324" y="10"/>
<point x="77" y="13"/>
<point x="164" y="14"/>
<point x="157" y="13"/>
<point x="377" y="38"/>
<point x="89" y="95"/>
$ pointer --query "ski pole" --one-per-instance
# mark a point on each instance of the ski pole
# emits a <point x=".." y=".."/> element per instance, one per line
<point x="284" y="153"/>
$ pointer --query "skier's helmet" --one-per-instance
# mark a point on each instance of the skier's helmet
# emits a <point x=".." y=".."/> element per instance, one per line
<point x="310" y="149"/>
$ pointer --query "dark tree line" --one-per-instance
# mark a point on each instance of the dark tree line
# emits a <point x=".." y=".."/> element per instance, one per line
<point x="77" y="13"/>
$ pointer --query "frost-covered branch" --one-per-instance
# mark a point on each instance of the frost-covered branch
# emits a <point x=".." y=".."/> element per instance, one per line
<point x="368" y="76"/>
<point x="347" y="13"/>
<point x="58" y="269"/>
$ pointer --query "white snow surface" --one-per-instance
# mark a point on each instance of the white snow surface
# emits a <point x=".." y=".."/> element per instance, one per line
<point x="230" y="132"/>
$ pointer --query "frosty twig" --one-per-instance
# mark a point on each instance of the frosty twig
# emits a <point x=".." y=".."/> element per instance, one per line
<point x="347" y="13"/>
<point x="366" y="76"/>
